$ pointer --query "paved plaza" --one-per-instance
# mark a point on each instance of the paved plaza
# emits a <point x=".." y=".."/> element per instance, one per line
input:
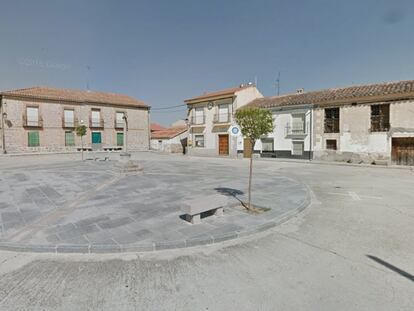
<point x="351" y="249"/>
<point x="90" y="207"/>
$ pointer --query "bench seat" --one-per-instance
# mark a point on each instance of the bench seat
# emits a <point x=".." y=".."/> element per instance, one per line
<point x="194" y="207"/>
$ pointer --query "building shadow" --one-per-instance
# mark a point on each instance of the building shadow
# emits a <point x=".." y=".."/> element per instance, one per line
<point x="392" y="267"/>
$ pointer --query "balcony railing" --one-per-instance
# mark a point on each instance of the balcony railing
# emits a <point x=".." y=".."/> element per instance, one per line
<point x="221" y="118"/>
<point x="379" y="125"/>
<point x="295" y="130"/>
<point x="69" y="123"/>
<point x="32" y="123"/>
<point x="198" y="120"/>
<point x="96" y="123"/>
<point x="331" y="125"/>
<point x="119" y="124"/>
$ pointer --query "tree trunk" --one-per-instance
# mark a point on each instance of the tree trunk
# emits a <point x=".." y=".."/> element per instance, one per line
<point x="82" y="147"/>
<point x="249" y="199"/>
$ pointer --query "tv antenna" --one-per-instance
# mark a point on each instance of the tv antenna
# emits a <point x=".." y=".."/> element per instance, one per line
<point x="88" y="68"/>
<point x="277" y="84"/>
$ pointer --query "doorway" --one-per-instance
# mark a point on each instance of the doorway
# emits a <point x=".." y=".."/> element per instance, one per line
<point x="403" y="151"/>
<point x="96" y="140"/>
<point x="223" y="144"/>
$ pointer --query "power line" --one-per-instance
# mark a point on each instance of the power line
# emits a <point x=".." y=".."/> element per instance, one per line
<point x="170" y="107"/>
<point x="167" y="111"/>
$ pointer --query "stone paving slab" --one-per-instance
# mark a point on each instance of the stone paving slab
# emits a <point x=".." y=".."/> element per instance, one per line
<point x="40" y="208"/>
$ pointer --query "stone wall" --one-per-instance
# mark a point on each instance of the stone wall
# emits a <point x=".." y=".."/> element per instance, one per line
<point x="355" y="141"/>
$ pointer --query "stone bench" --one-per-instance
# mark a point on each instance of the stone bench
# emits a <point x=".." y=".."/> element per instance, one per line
<point x="194" y="207"/>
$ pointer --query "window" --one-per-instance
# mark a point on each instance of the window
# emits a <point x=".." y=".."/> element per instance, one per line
<point x="223" y="114"/>
<point x="69" y="138"/>
<point x="198" y="116"/>
<point x="267" y="144"/>
<point x="297" y="148"/>
<point x="96" y="138"/>
<point x="332" y="120"/>
<point x="32" y="114"/>
<point x="298" y="124"/>
<point x="331" y="144"/>
<point x="96" y="118"/>
<point x="119" y="139"/>
<point x="380" y="118"/>
<point x="69" y="118"/>
<point x="199" y="140"/>
<point x="33" y="139"/>
<point x="119" y="120"/>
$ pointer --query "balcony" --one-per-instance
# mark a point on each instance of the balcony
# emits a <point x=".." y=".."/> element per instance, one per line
<point x="221" y="118"/>
<point x="118" y="124"/>
<point x="198" y="120"/>
<point x="69" y="124"/>
<point x="96" y="123"/>
<point x="295" y="131"/>
<point x="32" y="123"/>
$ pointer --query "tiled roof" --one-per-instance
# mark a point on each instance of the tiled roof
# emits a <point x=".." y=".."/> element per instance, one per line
<point x="225" y="92"/>
<point x="58" y="94"/>
<point x="156" y="127"/>
<point x="169" y="132"/>
<point x="345" y="95"/>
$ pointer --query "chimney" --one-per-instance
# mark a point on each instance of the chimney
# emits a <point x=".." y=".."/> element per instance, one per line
<point x="300" y="91"/>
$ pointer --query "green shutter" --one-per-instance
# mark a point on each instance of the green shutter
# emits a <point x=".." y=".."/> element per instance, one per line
<point x="69" y="139"/>
<point x="33" y="139"/>
<point x="119" y="139"/>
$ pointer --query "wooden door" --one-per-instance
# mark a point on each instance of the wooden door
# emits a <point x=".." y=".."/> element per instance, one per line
<point x="247" y="148"/>
<point x="224" y="144"/>
<point x="403" y="151"/>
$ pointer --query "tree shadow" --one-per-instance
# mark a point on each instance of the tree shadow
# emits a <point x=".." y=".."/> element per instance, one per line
<point x="392" y="267"/>
<point x="230" y="192"/>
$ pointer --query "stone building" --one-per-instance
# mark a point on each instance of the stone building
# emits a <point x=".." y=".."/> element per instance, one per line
<point x="171" y="140"/>
<point x="359" y="124"/>
<point x="43" y="119"/>
<point x="210" y="117"/>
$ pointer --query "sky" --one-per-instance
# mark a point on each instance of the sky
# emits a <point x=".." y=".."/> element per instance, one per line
<point x="163" y="52"/>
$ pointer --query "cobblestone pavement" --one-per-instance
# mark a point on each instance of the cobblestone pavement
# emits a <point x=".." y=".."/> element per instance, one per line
<point x="88" y="206"/>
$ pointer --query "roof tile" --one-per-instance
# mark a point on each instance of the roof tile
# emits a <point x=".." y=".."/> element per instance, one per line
<point x="49" y="93"/>
<point x="393" y="90"/>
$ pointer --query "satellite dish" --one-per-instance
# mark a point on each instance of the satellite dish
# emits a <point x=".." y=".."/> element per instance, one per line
<point x="210" y="105"/>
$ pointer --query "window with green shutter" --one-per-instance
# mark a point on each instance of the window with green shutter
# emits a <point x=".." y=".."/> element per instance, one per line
<point x="33" y="139"/>
<point x="119" y="139"/>
<point x="69" y="138"/>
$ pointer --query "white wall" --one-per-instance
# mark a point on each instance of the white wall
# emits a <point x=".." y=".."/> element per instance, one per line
<point x="242" y="98"/>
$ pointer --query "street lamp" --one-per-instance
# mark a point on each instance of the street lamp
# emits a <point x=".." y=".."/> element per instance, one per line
<point x="125" y="130"/>
<point x="3" y="136"/>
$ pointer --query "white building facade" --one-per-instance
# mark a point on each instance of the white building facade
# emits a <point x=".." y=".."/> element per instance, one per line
<point x="210" y="118"/>
<point x="291" y="136"/>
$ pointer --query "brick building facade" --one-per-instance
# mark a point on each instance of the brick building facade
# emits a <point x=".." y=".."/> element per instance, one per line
<point x="42" y="119"/>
